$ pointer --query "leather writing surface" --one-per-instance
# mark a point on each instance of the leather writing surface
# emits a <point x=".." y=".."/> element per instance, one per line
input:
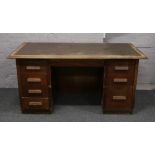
<point x="78" y="50"/>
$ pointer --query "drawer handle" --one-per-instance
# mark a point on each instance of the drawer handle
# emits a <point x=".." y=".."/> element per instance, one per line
<point x="33" y="80"/>
<point x="49" y="86"/>
<point x="119" y="98"/>
<point x="32" y="67"/>
<point x="34" y="91"/>
<point x="121" y="68"/>
<point x="35" y="103"/>
<point x="120" y="80"/>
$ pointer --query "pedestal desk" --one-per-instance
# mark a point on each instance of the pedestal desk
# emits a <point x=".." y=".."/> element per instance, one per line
<point x="118" y="63"/>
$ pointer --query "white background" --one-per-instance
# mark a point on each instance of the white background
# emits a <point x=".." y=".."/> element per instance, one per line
<point x="70" y="16"/>
<point x="85" y="16"/>
<point x="77" y="138"/>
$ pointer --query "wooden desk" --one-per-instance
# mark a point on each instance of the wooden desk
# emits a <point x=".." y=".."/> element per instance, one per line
<point x="118" y="63"/>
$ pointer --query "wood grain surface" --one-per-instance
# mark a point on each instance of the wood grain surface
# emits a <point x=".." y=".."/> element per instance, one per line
<point x="77" y="51"/>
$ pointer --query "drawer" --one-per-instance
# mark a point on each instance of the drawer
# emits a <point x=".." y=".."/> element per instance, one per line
<point x="118" y="98"/>
<point x="35" y="104"/>
<point x="33" y="66"/>
<point x="35" y="91"/>
<point x="119" y="71"/>
<point x="119" y="80"/>
<point x="34" y="79"/>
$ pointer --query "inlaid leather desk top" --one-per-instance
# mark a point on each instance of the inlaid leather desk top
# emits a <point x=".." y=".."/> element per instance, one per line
<point x="77" y="51"/>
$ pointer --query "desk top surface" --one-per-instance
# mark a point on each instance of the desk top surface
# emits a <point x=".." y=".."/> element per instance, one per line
<point x="77" y="51"/>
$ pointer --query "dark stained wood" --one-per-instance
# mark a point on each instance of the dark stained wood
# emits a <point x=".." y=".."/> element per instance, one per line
<point x="106" y="79"/>
<point x="33" y="66"/>
<point x="118" y="105"/>
<point x="34" y="90"/>
<point x="78" y="85"/>
<point x="35" y="105"/>
<point x="43" y="85"/>
<point x="119" y="69"/>
<point x="134" y="84"/>
<point x="127" y="90"/>
<point x="76" y="63"/>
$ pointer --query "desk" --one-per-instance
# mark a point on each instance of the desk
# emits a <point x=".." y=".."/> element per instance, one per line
<point x="118" y="63"/>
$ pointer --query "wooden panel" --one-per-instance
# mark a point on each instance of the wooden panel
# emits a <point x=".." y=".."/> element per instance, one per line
<point x="35" y="91"/>
<point x="78" y="85"/>
<point x="77" y="63"/>
<point x="35" y="79"/>
<point x="118" y="99"/>
<point x="33" y="66"/>
<point x="35" y="104"/>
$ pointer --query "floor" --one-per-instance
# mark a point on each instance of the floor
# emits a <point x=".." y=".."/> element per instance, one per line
<point x="10" y="110"/>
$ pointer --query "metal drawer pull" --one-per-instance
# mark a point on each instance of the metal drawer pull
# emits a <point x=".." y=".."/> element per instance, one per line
<point x="34" y="91"/>
<point x="35" y="103"/>
<point x="33" y="67"/>
<point x="121" y="80"/>
<point x="33" y="80"/>
<point x="119" y="98"/>
<point x="121" y="68"/>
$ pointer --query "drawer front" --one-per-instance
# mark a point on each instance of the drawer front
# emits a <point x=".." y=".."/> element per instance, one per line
<point x="30" y="104"/>
<point x="34" y="79"/>
<point x="119" y="80"/>
<point x="33" y="66"/>
<point x="35" y="92"/>
<point x="118" y="98"/>
<point x="119" y="72"/>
